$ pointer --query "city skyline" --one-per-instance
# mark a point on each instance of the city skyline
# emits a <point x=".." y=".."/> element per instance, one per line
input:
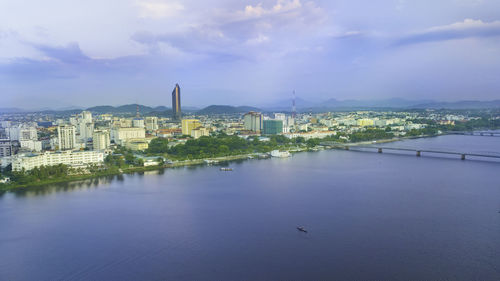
<point x="253" y="52"/>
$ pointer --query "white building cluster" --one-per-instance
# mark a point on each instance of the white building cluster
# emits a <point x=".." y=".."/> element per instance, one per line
<point x="70" y="158"/>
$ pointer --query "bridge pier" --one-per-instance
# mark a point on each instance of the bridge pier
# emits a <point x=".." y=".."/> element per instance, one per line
<point x="418" y="153"/>
<point x="380" y="150"/>
<point x="462" y="157"/>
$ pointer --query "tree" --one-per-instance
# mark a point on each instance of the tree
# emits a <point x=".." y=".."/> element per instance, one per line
<point x="158" y="145"/>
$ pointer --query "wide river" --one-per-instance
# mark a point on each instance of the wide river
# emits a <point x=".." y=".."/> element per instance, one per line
<point x="369" y="216"/>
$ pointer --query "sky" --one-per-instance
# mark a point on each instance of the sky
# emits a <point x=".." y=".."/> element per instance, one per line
<point x="65" y="53"/>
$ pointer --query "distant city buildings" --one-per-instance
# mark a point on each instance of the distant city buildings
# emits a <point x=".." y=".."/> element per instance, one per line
<point x="176" y="103"/>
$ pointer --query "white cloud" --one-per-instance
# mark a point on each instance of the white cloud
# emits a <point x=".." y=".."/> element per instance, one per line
<point x="158" y="10"/>
<point x="466" y="24"/>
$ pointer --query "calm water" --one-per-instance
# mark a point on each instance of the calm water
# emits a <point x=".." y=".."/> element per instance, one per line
<point x="370" y="216"/>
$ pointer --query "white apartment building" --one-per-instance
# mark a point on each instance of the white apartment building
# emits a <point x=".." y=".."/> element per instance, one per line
<point x="86" y="117"/>
<point x="151" y="123"/>
<point x="70" y="158"/>
<point x="32" y="145"/>
<point x="86" y="131"/>
<point x="66" y="137"/>
<point x="100" y="140"/>
<point x="121" y="135"/>
<point x="138" y="123"/>
<point x="22" y="132"/>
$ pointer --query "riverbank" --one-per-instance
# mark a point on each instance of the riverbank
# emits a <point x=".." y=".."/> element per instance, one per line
<point x="184" y="163"/>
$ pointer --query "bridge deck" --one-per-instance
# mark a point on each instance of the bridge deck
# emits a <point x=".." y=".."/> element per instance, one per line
<point x="416" y="150"/>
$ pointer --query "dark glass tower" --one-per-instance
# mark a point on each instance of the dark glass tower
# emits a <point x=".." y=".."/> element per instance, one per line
<point x="176" y="103"/>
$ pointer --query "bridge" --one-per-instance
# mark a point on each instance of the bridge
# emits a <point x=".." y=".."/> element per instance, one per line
<point x="418" y="152"/>
<point x="477" y="133"/>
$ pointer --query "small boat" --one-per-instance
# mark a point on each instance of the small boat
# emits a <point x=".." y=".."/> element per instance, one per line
<point x="301" y="228"/>
<point x="224" y="169"/>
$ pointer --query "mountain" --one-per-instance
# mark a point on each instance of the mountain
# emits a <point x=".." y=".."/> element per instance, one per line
<point x="11" y="110"/>
<point x="128" y="108"/>
<point x="286" y="104"/>
<point x="460" y="105"/>
<point x="225" y="109"/>
<point x="383" y="103"/>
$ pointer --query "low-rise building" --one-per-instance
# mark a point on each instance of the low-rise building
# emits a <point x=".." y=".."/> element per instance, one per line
<point x="68" y="157"/>
<point x="188" y="125"/>
<point x="137" y="144"/>
<point x="200" y="132"/>
<point x="122" y="135"/>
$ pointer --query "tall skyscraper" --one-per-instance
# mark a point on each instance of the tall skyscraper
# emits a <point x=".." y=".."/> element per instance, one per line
<point x="176" y="102"/>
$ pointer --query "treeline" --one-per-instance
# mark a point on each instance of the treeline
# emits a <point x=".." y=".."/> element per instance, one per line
<point x="481" y="123"/>
<point x="38" y="174"/>
<point x="222" y="145"/>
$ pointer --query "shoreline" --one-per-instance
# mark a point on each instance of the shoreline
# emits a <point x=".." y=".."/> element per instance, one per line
<point x="184" y="163"/>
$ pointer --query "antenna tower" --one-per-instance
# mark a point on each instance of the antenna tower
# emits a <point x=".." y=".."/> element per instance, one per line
<point x="294" y="110"/>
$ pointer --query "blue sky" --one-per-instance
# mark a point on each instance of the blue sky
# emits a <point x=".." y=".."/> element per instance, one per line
<point x="83" y="53"/>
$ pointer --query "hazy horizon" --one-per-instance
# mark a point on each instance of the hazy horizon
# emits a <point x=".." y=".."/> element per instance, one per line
<point x="59" y="54"/>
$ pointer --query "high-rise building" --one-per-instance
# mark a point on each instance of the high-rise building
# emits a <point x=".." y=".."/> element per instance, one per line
<point x="66" y="137"/>
<point x="86" y="116"/>
<point x="176" y="103"/>
<point x="100" y="140"/>
<point x="273" y="127"/>
<point x="253" y="121"/>
<point x="188" y="125"/>
<point x="5" y="148"/>
<point x="86" y="130"/>
<point x="151" y="123"/>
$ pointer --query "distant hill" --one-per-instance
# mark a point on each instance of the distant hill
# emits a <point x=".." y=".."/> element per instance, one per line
<point x="128" y="108"/>
<point x="11" y="110"/>
<point x="460" y="105"/>
<point x="225" y="109"/>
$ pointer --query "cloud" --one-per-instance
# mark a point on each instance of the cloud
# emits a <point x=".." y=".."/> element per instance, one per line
<point x="69" y="54"/>
<point x="469" y="28"/>
<point x="158" y="9"/>
<point x="240" y="33"/>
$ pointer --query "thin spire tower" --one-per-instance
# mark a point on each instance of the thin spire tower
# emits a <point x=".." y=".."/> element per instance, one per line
<point x="294" y="110"/>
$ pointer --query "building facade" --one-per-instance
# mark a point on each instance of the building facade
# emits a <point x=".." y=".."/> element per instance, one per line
<point x="253" y="121"/>
<point x="188" y="125"/>
<point x="121" y="135"/>
<point x="5" y="148"/>
<point x="200" y="132"/>
<point x="70" y="158"/>
<point x="151" y="123"/>
<point x="66" y="137"/>
<point x="272" y="127"/>
<point x="176" y="103"/>
<point x="100" y="140"/>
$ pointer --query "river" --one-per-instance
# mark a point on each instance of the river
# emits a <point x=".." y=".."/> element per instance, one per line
<point x="369" y="216"/>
